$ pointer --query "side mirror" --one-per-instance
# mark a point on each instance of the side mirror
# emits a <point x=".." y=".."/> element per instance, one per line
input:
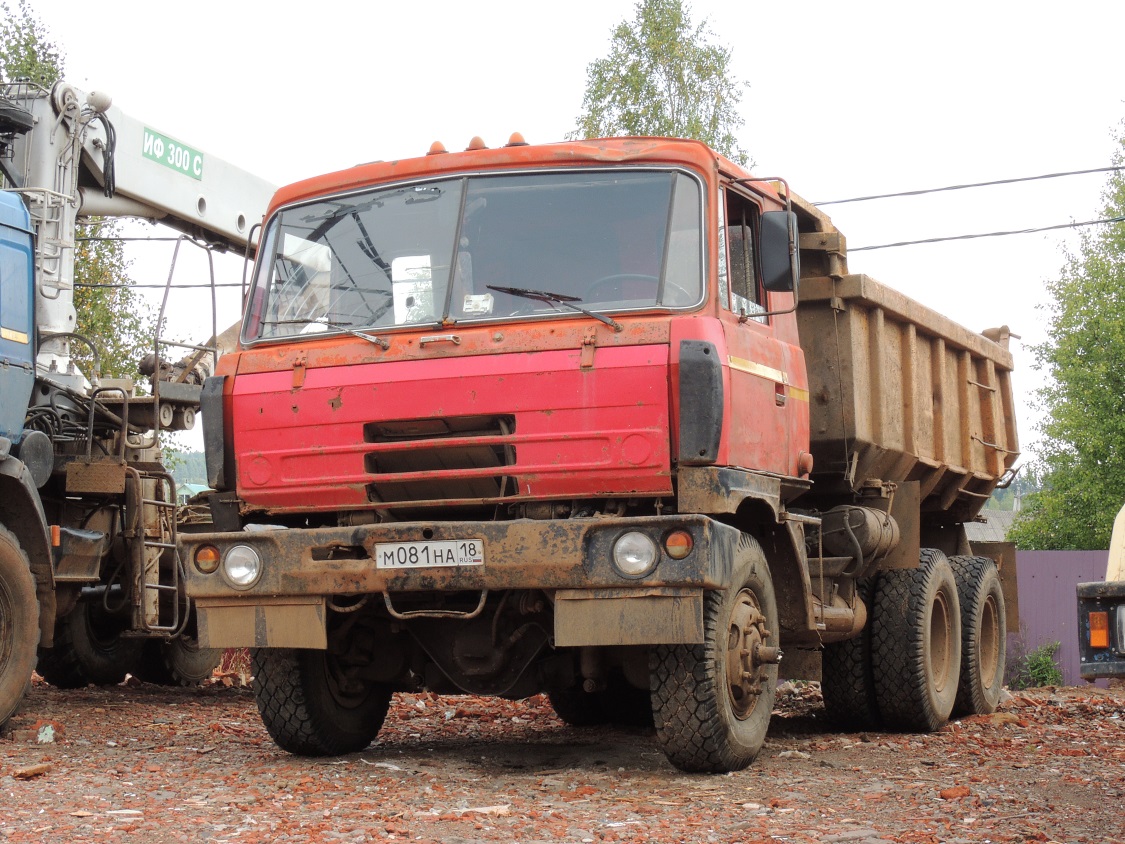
<point x="781" y="260"/>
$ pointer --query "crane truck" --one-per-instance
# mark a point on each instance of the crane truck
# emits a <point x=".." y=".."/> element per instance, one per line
<point x="608" y="420"/>
<point x="1101" y="614"/>
<point x="89" y="580"/>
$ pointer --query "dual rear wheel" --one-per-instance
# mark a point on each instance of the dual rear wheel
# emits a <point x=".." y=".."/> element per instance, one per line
<point x="934" y="648"/>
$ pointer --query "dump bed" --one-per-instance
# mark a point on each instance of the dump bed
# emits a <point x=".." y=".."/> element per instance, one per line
<point x="901" y="393"/>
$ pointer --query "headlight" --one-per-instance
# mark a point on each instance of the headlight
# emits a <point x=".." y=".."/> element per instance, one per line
<point x="634" y="554"/>
<point x="242" y="566"/>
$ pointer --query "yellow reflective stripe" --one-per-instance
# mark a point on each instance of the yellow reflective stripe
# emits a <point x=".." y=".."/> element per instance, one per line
<point x="14" y="336"/>
<point x="759" y="369"/>
<point x="769" y="373"/>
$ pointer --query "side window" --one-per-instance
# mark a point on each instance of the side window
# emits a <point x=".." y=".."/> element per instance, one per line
<point x="740" y="226"/>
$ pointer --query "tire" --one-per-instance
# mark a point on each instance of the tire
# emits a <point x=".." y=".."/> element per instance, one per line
<point x="90" y="647"/>
<point x="177" y="662"/>
<point x="620" y="703"/>
<point x="847" y="681"/>
<point x="984" y="634"/>
<point x="578" y="708"/>
<point x="916" y="644"/>
<point x="19" y="625"/>
<point x="305" y="708"/>
<point x="712" y="702"/>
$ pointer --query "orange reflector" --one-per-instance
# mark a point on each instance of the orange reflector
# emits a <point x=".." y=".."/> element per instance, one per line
<point x="207" y="558"/>
<point x="678" y="544"/>
<point x="56" y="536"/>
<point x="1099" y="630"/>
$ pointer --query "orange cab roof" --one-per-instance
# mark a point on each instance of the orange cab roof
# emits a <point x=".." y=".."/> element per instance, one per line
<point x="694" y="154"/>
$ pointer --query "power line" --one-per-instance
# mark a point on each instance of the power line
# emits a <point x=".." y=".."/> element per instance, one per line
<point x="972" y="185"/>
<point x="986" y="234"/>
<point x="156" y="286"/>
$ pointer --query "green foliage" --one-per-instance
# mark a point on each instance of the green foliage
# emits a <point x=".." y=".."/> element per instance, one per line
<point x="663" y="77"/>
<point x="1081" y="460"/>
<point x="1038" y="668"/>
<point x="190" y="466"/>
<point x="27" y="51"/>
<point x="114" y="317"/>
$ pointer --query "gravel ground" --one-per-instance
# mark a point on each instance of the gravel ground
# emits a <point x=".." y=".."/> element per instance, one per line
<point x="145" y="763"/>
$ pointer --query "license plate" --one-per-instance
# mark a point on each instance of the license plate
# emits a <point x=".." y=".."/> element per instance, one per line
<point x="431" y="554"/>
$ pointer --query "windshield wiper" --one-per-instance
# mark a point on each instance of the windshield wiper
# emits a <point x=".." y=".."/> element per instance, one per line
<point x="363" y="335"/>
<point x="557" y="299"/>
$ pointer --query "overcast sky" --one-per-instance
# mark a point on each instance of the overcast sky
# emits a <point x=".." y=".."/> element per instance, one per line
<point x="844" y="99"/>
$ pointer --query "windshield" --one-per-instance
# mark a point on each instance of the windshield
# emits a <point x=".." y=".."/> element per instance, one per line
<point x="470" y="249"/>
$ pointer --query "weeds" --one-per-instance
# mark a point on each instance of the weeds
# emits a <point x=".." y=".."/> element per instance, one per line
<point x="1038" y="668"/>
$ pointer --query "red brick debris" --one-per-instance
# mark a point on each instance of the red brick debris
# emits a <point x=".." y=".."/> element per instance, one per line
<point x="146" y="763"/>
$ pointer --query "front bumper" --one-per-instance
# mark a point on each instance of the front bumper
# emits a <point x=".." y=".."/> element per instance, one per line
<point x="1108" y="598"/>
<point x="571" y="560"/>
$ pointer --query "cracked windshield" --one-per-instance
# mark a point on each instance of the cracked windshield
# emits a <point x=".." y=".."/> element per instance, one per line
<point x="482" y="248"/>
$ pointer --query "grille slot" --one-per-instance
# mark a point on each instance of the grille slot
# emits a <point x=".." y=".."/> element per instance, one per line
<point x="459" y="457"/>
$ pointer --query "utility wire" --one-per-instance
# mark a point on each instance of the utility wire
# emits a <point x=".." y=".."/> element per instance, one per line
<point x="986" y="234"/>
<point x="972" y="185"/>
<point x="154" y="286"/>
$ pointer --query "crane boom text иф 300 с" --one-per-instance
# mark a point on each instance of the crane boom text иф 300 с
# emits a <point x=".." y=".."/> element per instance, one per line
<point x="88" y="570"/>
<point x="552" y="419"/>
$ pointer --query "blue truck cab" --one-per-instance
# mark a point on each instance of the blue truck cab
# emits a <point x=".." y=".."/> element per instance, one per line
<point x="17" y="315"/>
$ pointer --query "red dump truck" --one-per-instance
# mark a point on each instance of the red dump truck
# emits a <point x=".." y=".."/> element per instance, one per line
<point x="607" y="420"/>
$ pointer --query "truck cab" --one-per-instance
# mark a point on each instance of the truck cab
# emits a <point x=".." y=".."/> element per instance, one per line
<point x="17" y="317"/>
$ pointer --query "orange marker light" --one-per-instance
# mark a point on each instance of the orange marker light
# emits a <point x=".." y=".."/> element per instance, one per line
<point x="207" y="558"/>
<point x="1099" y="630"/>
<point x="678" y="544"/>
<point x="56" y="536"/>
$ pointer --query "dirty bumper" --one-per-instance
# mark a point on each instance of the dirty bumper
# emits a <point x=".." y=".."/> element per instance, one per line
<point x="306" y="573"/>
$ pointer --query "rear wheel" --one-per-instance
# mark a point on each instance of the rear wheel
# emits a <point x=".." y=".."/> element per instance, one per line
<point x="90" y="647"/>
<point x="983" y="635"/>
<point x="712" y="702"/>
<point x="847" y="681"/>
<point x="19" y="625"/>
<point x="178" y="662"/>
<point x="312" y="705"/>
<point x="916" y="644"/>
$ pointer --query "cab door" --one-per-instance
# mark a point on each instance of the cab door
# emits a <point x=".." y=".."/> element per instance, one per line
<point x="766" y="370"/>
<point x="17" y="328"/>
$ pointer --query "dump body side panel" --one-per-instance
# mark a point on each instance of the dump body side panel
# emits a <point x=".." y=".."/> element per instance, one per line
<point x="901" y="393"/>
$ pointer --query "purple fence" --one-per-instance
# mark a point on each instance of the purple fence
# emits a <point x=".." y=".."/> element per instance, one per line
<point x="1048" y="607"/>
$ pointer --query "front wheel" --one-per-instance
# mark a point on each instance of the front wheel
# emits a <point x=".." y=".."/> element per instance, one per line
<point x="19" y="625"/>
<point x="311" y="705"/>
<point x="712" y="702"/>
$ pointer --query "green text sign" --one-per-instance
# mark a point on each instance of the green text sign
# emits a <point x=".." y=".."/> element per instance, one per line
<point x="171" y="153"/>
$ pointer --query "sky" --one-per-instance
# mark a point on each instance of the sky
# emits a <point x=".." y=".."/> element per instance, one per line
<point x="842" y="99"/>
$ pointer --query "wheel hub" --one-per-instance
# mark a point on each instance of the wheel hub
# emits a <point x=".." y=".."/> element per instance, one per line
<point x="747" y="654"/>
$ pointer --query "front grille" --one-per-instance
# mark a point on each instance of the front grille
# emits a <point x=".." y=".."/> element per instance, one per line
<point x="459" y="457"/>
